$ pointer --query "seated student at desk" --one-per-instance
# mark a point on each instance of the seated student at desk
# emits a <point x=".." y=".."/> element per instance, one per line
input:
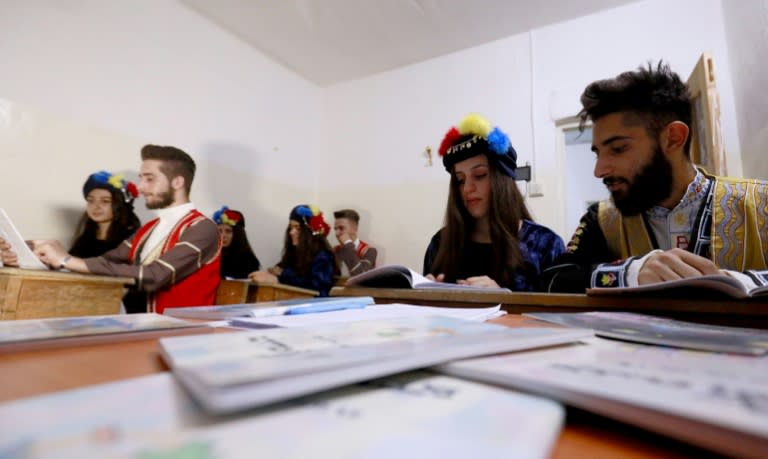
<point x="666" y="219"/>
<point x="308" y="259"/>
<point x="355" y="256"/>
<point x="174" y="258"/>
<point x="237" y="257"/>
<point x="489" y="238"/>
<point x="108" y="219"/>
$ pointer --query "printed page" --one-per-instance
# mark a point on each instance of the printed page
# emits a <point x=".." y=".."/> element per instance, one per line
<point x="27" y="259"/>
<point x="234" y="371"/>
<point x="411" y="414"/>
<point x="711" y="400"/>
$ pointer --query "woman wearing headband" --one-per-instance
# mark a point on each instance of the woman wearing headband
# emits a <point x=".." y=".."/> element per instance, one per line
<point x="237" y="257"/>
<point x="308" y="260"/>
<point x="108" y="219"/>
<point x="489" y="238"/>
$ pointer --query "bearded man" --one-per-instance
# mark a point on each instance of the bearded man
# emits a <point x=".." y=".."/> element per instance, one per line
<point x="666" y="219"/>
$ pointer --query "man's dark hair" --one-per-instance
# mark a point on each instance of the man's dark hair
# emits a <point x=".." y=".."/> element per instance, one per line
<point x="175" y="162"/>
<point x="349" y="214"/>
<point x="657" y="95"/>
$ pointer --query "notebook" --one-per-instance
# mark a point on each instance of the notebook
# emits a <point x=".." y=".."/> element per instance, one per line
<point x="398" y="276"/>
<point x="715" y="401"/>
<point x="416" y="414"/>
<point x="643" y="328"/>
<point x="230" y="372"/>
<point x="23" y="335"/>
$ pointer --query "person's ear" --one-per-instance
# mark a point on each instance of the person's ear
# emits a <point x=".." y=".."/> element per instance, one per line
<point x="177" y="183"/>
<point x="674" y="136"/>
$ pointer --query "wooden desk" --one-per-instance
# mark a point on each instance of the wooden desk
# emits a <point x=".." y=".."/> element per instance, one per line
<point x="237" y="292"/>
<point x="33" y="294"/>
<point x="747" y="313"/>
<point x="39" y="372"/>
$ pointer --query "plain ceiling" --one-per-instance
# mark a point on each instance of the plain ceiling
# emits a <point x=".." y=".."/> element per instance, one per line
<point x="329" y="41"/>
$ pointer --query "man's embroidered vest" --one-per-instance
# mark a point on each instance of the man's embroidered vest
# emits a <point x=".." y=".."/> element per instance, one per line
<point x="197" y="289"/>
<point x="739" y="226"/>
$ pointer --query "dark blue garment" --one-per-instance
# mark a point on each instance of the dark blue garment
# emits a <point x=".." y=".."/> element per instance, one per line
<point x="319" y="277"/>
<point x="539" y="246"/>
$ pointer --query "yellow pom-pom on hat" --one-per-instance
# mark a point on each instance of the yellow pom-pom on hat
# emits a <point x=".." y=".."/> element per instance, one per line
<point x="474" y="124"/>
<point x="116" y="181"/>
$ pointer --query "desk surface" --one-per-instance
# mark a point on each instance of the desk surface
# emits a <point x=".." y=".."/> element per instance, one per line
<point x="748" y="313"/>
<point x="31" y="294"/>
<point x="64" y="275"/>
<point x="233" y="291"/>
<point x="38" y="372"/>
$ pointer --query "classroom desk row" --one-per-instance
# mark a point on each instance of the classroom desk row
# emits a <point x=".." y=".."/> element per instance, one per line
<point x="32" y="294"/>
<point x="27" y="294"/>
<point x="714" y="309"/>
<point x="40" y="372"/>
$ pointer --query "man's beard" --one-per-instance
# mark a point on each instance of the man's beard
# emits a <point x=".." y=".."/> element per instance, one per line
<point x="164" y="199"/>
<point x="647" y="188"/>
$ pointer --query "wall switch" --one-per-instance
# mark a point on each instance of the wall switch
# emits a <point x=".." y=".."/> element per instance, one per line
<point x="535" y="190"/>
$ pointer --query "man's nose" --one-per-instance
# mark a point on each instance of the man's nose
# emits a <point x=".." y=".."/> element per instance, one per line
<point x="603" y="168"/>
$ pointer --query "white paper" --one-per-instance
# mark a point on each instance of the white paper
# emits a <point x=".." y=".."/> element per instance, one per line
<point x="372" y="312"/>
<point x="27" y="259"/>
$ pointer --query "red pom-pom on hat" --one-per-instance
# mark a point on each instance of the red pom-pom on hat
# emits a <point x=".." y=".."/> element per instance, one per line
<point x="132" y="190"/>
<point x="318" y="226"/>
<point x="450" y="138"/>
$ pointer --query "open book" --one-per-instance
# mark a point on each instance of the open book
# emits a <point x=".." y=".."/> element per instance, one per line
<point x="715" y="401"/>
<point x="642" y="328"/>
<point x="22" y="335"/>
<point x="408" y="415"/>
<point x="27" y="259"/>
<point x="271" y="308"/>
<point x="398" y="276"/>
<point x="230" y="372"/>
<point x="731" y="283"/>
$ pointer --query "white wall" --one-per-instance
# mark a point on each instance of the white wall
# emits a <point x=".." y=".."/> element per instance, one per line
<point x="157" y="72"/>
<point x="746" y="25"/>
<point x="265" y="139"/>
<point x="387" y="120"/>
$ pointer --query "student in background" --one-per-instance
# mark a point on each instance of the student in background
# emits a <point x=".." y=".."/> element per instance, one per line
<point x="666" y="219"/>
<point x="174" y="258"/>
<point x="108" y="218"/>
<point x="489" y="238"/>
<point x="355" y="256"/>
<point x="308" y="259"/>
<point x="237" y="257"/>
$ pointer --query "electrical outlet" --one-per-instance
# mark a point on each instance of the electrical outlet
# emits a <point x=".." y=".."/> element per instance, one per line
<point x="535" y="190"/>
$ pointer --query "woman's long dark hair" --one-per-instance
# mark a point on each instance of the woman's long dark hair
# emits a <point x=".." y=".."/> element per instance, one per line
<point x="124" y="223"/>
<point x="239" y="244"/>
<point x="300" y="257"/>
<point x="506" y="209"/>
